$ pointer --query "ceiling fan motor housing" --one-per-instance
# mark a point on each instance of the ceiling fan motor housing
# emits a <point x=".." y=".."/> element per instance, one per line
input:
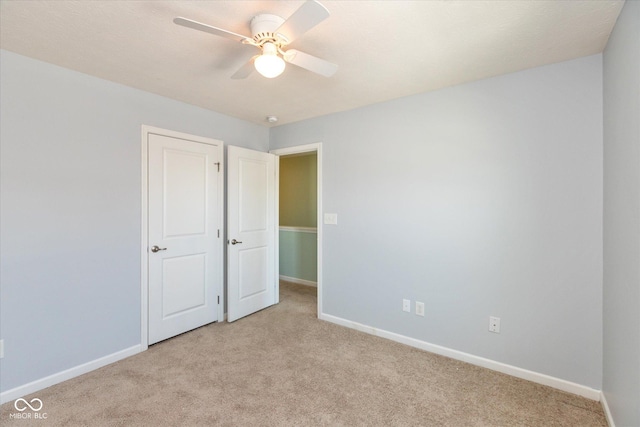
<point x="263" y="29"/>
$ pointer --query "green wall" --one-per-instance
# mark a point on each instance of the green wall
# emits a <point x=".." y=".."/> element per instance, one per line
<point x="298" y="188"/>
<point x="298" y="255"/>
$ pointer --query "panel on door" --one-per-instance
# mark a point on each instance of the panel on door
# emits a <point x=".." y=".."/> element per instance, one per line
<point x="185" y="256"/>
<point x="251" y="225"/>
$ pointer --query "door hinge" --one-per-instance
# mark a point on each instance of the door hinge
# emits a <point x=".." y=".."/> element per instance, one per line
<point x="218" y="165"/>
<point x="218" y="299"/>
<point x="218" y="233"/>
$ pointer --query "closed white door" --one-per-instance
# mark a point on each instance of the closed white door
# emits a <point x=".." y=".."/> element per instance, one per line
<point x="251" y="227"/>
<point x="184" y="244"/>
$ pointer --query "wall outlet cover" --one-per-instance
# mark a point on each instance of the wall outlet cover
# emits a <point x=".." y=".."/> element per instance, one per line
<point x="420" y="308"/>
<point x="494" y="324"/>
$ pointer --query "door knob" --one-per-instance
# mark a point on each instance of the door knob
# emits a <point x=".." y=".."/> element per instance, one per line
<point x="155" y="249"/>
<point x="235" y="242"/>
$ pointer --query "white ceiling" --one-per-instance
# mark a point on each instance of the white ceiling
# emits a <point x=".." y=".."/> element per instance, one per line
<point x="385" y="49"/>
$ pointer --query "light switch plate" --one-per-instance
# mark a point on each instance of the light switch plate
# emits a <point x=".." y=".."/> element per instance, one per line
<point x="331" y="218"/>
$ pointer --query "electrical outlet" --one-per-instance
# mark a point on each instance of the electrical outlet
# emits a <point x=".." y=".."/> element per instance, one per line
<point x="1" y="349"/>
<point x="494" y="324"/>
<point x="406" y="305"/>
<point x="419" y="308"/>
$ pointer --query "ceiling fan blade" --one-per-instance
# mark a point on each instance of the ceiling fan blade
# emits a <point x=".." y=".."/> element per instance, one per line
<point x="209" y="29"/>
<point x="310" y="62"/>
<point x="245" y="71"/>
<point x="310" y="14"/>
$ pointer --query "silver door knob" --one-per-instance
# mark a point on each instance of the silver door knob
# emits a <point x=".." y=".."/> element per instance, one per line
<point x="235" y="242"/>
<point x="155" y="249"/>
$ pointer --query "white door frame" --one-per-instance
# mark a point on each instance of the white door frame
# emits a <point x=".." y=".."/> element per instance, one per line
<point x="308" y="148"/>
<point x="144" y="230"/>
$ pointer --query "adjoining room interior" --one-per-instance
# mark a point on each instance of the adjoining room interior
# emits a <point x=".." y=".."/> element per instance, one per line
<point x="298" y="218"/>
<point x="477" y="212"/>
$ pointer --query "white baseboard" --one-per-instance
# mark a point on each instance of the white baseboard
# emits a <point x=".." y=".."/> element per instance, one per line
<point x="37" y="385"/>
<point x="299" y="281"/>
<point x="607" y="411"/>
<point x="514" y="371"/>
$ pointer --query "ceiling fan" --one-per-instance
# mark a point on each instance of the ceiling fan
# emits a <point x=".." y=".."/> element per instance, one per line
<point x="271" y="34"/>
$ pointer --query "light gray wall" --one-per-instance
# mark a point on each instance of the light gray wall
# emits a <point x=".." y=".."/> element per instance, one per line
<point x="70" y="211"/>
<point x="621" y="374"/>
<point x="480" y="199"/>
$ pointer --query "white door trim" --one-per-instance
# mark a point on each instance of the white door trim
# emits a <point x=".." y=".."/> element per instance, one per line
<point x="308" y="148"/>
<point x="144" y="221"/>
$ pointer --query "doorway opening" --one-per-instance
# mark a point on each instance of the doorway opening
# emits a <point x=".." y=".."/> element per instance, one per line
<point x="299" y="213"/>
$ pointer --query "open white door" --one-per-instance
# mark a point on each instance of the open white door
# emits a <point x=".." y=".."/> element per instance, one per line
<point x="184" y="243"/>
<point x="251" y="230"/>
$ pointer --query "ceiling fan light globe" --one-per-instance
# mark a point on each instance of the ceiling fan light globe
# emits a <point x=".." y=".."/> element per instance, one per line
<point x="269" y="66"/>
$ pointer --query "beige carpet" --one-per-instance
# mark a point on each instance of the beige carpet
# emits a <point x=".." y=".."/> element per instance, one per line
<point x="283" y="367"/>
